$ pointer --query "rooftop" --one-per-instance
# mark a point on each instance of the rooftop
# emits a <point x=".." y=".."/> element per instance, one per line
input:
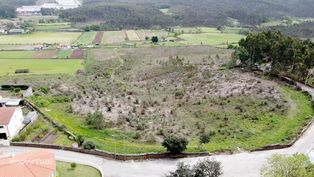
<point x="6" y="114"/>
<point x="33" y="164"/>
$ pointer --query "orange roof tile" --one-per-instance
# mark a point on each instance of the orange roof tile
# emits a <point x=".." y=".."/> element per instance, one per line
<point x="6" y="114"/>
<point x="32" y="164"/>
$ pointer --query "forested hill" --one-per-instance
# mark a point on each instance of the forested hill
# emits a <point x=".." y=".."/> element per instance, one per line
<point x="187" y="12"/>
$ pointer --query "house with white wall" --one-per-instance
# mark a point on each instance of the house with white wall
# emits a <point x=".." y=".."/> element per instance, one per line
<point x="11" y="121"/>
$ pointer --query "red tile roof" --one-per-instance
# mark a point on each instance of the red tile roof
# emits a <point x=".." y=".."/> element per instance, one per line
<point x="33" y="164"/>
<point x="6" y="114"/>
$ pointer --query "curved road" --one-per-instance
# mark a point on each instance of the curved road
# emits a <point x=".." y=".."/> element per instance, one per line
<point x="237" y="165"/>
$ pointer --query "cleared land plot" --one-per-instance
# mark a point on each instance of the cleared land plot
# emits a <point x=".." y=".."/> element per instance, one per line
<point x="64" y="170"/>
<point x="37" y="66"/>
<point x="77" y="54"/>
<point x="196" y="30"/>
<point x="86" y="38"/>
<point x="113" y="37"/>
<point x="132" y="35"/>
<point x="40" y="38"/>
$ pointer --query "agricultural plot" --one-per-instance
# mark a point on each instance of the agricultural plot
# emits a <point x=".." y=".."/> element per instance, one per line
<point x="142" y="34"/>
<point x="17" y="54"/>
<point x="40" y="38"/>
<point x="113" y="37"/>
<point x="45" y="54"/>
<point x="131" y="35"/>
<point x="77" y="54"/>
<point x="65" y="54"/>
<point x="214" y="39"/>
<point x="98" y="38"/>
<point x="86" y="38"/>
<point x="52" y="26"/>
<point x="37" y="66"/>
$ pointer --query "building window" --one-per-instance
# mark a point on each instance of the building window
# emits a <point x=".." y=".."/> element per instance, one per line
<point x="1" y="126"/>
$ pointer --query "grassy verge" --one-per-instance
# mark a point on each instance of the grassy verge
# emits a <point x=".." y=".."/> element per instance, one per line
<point x="64" y="170"/>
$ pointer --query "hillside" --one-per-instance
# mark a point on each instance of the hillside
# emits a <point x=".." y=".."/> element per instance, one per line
<point x="133" y="13"/>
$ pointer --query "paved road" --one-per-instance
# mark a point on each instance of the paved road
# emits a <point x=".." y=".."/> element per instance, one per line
<point x="237" y="165"/>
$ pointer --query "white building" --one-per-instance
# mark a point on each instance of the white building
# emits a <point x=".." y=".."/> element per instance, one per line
<point x="11" y="120"/>
<point x="29" y="10"/>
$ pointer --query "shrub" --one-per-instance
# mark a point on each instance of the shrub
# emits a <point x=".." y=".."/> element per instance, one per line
<point x="96" y="120"/>
<point x="80" y="140"/>
<point x="89" y="145"/>
<point x="20" y="71"/>
<point x="175" y="144"/>
<point x="73" y="165"/>
<point x="205" y="168"/>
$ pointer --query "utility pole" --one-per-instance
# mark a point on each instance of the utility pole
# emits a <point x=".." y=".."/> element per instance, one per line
<point x="124" y="150"/>
<point x="115" y="147"/>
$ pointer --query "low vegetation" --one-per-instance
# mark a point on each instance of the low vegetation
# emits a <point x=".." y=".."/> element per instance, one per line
<point x="65" y="169"/>
<point x="204" y="168"/>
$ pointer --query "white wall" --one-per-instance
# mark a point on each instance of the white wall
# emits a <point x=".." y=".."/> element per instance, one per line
<point x="15" y="123"/>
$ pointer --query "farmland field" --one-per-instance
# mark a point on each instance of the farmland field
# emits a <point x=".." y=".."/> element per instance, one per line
<point x="214" y="39"/>
<point x="39" y="66"/>
<point x="40" y="38"/>
<point x="17" y="54"/>
<point x="52" y="26"/>
<point x="64" y="53"/>
<point x="113" y="37"/>
<point x="132" y="35"/>
<point x="98" y="38"/>
<point x="86" y="38"/>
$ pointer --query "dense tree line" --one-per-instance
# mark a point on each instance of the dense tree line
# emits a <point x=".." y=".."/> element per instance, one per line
<point x="145" y="13"/>
<point x="117" y="15"/>
<point x="7" y="7"/>
<point x="287" y="55"/>
<point x="303" y="30"/>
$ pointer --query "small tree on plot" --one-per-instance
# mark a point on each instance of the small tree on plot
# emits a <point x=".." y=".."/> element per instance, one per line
<point x="298" y="165"/>
<point x="73" y="166"/>
<point x="205" y="168"/>
<point x="175" y="144"/>
<point x="155" y="39"/>
<point x="80" y="140"/>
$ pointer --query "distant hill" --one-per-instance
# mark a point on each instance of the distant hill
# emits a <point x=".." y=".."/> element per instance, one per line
<point x="143" y="13"/>
<point x="7" y="7"/>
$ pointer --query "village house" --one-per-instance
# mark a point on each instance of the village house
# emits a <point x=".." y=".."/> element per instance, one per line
<point x="11" y="121"/>
<point x="3" y="31"/>
<point x="32" y="164"/>
<point x="16" y="31"/>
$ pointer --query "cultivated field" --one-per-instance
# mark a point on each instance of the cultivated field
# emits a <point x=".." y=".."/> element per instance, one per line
<point x="86" y="38"/>
<point x="40" y="66"/>
<point x="40" y="38"/>
<point x="113" y="37"/>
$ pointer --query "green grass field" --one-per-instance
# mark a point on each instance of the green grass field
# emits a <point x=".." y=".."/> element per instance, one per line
<point x="215" y="39"/>
<point x="52" y="26"/>
<point x="64" y="170"/>
<point x="64" y="54"/>
<point x="86" y="38"/>
<point x="39" y="66"/>
<point x="40" y="38"/>
<point x="16" y="54"/>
